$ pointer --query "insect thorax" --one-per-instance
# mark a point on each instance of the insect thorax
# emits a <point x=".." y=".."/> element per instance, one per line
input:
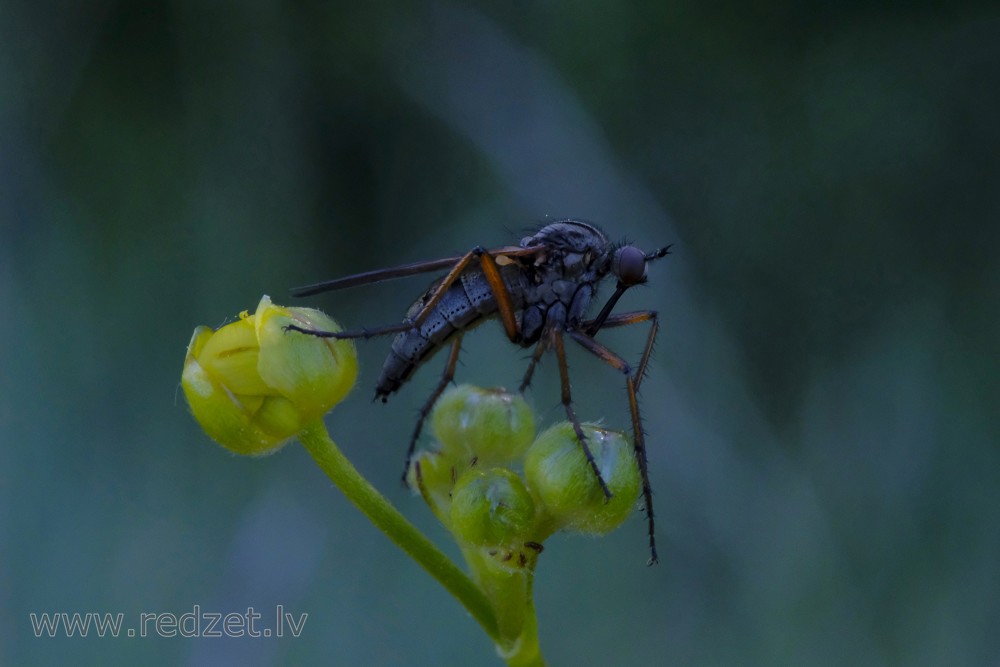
<point x="563" y="278"/>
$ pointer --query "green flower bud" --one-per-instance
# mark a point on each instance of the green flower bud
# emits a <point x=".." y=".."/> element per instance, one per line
<point x="560" y="477"/>
<point x="491" y="508"/>
<point x="491" y="425"/>
<point x="252" y="386"/>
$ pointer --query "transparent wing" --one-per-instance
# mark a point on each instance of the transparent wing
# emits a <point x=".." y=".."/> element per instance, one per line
<point x="379" y="275"/>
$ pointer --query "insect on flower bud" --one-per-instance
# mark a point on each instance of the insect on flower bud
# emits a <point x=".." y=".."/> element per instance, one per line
<point x="493" y="426"/>
<point x="491" y="508"/>
<point x="560" y="477"/>
<point x="252" y="387"/>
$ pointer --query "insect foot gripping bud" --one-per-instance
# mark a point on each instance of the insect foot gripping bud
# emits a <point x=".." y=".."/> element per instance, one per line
<point x="492" y="426"/>
<point x="566" y="487"/>
<point x="252" y="387"/>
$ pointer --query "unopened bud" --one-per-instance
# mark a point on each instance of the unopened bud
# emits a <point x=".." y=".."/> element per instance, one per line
<point x="252" y="386"/>
<point x="491" y="508"/>
<point x="559" y="475"/>
<point x="492" y="426"/>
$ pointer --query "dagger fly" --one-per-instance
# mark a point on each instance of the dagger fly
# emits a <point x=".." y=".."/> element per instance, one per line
<point x="540" y="290"/>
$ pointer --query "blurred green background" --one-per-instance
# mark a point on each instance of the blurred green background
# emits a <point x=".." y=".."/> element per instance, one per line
<point x="821" y="410"/>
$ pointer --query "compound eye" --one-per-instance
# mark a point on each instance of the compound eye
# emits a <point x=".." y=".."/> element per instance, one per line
<point x="630" y="265"/>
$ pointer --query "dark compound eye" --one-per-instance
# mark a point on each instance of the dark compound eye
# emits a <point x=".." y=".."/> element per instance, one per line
<point x="630" y="265"/>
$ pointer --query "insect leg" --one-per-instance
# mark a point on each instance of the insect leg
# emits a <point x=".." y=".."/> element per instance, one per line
<point x="567" y="401"/>
<point x="353" y="333"/>
<point x="535" y="358"/>
<point x="439" y="291"/>
<point x="595" y="324"/>
<point x="639" y="438"/>
<point x="491" y="271"/>
<point x="446" y="377"/>
<point x="625" y="319"/>
<point x="499" y="288"/>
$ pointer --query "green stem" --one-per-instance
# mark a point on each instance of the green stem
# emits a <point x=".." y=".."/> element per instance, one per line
<point x="510" y="591"/>
<point x="388" y="519"/>
<point x="526" y="652"/>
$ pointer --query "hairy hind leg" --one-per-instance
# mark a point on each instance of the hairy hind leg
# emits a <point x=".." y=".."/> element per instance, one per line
<point x="632" y="381"/>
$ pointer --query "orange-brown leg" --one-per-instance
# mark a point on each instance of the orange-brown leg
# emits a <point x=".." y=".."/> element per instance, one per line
<point x="491" y="271"/>
<point x="636" y="317"/>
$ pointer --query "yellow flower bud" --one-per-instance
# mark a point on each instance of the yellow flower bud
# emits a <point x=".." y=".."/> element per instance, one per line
<point x="252" y="386"/>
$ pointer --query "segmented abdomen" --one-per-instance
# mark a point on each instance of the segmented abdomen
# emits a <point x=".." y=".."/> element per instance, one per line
<point x="467" y="303"/>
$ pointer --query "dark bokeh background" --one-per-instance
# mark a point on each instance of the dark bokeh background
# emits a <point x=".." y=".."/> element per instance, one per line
<point x="822" y="408"/>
